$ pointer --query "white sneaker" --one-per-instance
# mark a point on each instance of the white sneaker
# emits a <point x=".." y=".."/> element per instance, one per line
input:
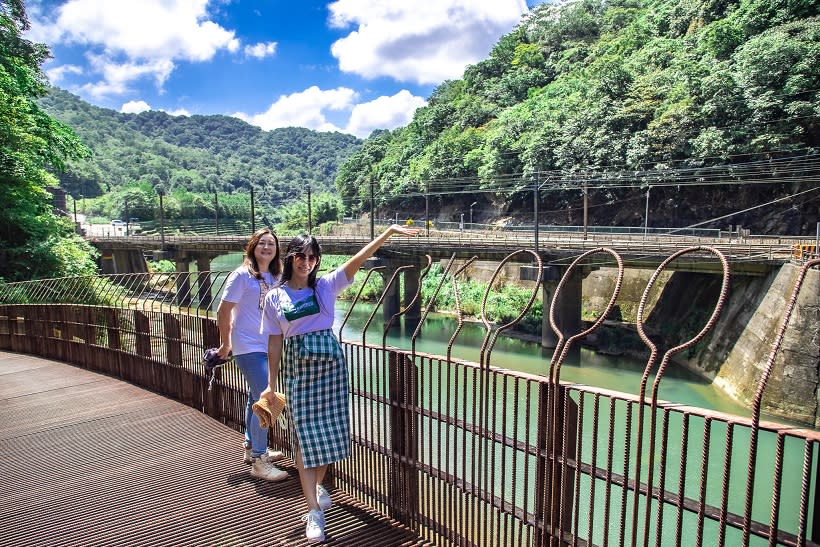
<point x="271" y="455"/>
<point x="261" y="469"/>
<point x="315" y="526"/>
<point x="323" y="498"/>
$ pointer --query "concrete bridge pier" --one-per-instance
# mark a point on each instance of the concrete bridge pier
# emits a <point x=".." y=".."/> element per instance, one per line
<point x="568" y="310"/>
<point x="183" y="281"/>
<point x="391" y="305"/>
<point x="184" y="284"/>
<point x="412" y="316"/>
<point x="203" y="267"/>
<point x="123" y="261"/>
<point x="394" y="300"/>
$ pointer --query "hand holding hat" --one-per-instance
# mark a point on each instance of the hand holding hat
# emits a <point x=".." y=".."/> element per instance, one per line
<point x="268" y="408"/>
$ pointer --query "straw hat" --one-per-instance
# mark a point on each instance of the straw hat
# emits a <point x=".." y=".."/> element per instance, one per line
<point x="267" y="411"/>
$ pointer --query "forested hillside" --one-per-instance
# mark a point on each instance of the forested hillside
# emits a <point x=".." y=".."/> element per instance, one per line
<point x="34" y="241"/>
<point x="195" y="153"/>
<point x="623" y="95"/>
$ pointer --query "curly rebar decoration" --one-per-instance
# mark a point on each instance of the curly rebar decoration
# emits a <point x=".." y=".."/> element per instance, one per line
<point x="659" y="375"/>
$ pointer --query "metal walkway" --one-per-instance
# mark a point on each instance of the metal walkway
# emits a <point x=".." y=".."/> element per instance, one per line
<point x="86" y="459"/>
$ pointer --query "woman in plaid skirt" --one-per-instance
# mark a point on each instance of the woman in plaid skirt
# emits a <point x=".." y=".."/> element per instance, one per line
<point x="298" y="320"/>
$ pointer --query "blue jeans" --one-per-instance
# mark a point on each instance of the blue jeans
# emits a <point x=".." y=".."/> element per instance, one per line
<point x="254" y="367"/>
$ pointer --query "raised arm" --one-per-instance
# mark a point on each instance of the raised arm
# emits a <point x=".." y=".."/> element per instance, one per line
<point x="352" y="266"/>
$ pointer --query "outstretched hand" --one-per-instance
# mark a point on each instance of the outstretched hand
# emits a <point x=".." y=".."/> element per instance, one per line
<point x="355" y="262"/>
<point x="405" y="230"/>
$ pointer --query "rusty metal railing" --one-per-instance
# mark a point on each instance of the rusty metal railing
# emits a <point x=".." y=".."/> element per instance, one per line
<point x="466" y="453"/>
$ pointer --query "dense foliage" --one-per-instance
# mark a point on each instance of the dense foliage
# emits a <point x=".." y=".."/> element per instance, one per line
<point x="612" y="87"/>
<point x="34" y="242"/>
<point x="200" y="154"/>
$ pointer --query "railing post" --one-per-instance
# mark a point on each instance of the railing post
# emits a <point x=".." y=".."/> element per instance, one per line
<point x="112" y="322"/>
<point x="171" y="377"/>
<point x="404" y="481"/>
<point x="173" y="343"/>
<point x="554" y="480"/>
<point x="208" y="400"/>
<point x="142" y="333"/>
<point x="5" y="328"/>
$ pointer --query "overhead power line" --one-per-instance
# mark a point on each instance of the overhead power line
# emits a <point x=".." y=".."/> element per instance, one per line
<point x="804" y="169"/>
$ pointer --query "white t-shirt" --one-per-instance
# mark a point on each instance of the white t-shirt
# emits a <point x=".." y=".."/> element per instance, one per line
<point x="291" y="312"/>
<point x="248" y="293"/>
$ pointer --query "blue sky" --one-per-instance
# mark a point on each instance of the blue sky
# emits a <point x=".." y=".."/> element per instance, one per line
<point x="346" y="65"/>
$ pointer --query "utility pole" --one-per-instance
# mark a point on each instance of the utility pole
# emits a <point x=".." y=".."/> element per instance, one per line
<point x="310" y="216"/>
<point x="427" y="211"/>
<point x="646" y="214"/>
<point x="372" y="209"/>
<point x="161" y="193"/>
<point x="253" y="214"/>
<point x="76" y="223"/>
<point x="216" y="212"/>
<point x="586" y="204"/>
<point x="535" y="209"/>
<point x="127" y="220"/>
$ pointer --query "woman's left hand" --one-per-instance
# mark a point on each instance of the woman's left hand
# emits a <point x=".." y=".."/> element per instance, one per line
<point x="405" y="230"/>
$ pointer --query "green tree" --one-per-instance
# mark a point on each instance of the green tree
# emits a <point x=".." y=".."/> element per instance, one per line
<point x="35" y="242"/>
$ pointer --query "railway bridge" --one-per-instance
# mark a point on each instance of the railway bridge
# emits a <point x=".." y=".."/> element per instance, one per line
<point x="408" y="256"/>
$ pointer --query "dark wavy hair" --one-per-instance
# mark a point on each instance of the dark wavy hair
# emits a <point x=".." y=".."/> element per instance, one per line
<point x="301" y="244"/>
<point x="275" y="267"/>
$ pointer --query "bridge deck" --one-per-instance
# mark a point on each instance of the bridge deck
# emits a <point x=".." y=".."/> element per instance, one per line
<point x="90" y="460"/>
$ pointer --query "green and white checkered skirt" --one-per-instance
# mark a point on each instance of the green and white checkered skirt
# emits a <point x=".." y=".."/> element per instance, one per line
<point x="317" y="390"/>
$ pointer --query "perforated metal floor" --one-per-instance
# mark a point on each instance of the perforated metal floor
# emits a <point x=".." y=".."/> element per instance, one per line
<point x="86" y="459"/>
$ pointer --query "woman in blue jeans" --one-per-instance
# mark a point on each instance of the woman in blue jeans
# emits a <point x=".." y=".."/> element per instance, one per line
<point x="238" y="317"/>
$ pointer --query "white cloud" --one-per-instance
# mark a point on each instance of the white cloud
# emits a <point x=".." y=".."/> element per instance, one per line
<point x="178" y="112"/>
<point x="134" y="107"/>
<point x="422" y="42"/>
<point x="117" y="76"/>
<point x="308" y="108"/>
<point x="57" y="74"/>
<point x="383" y="113"/>
<point x="303" y="109"/>
<point x="261" y="50"/>
<point x="131" y="39"/>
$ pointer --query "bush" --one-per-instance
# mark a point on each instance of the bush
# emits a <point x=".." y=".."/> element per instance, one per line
<point x="161" y="266"/>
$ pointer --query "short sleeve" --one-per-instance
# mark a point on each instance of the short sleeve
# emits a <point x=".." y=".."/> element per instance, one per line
<point x="270" y="325"/>
<point x="335" y="281"/>
<point x="234" y="287"/>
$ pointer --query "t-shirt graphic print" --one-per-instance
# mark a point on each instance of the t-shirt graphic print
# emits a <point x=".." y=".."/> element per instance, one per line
<point x="302" y="308"/>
